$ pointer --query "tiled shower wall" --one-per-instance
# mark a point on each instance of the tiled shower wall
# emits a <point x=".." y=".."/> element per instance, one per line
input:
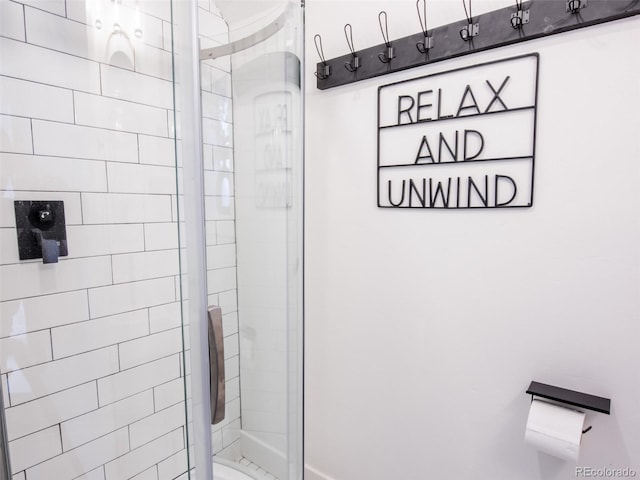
<point x="90" y="347"/>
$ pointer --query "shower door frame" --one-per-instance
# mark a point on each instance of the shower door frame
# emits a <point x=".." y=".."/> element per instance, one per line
<point x="5" y="457"/>
<point x="190" y="56"/>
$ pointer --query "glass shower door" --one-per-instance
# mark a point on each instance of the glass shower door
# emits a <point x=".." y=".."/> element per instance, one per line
<point x="91" y="340"/>
<point x="103" y="365"/>
<point x="250" y="105"/>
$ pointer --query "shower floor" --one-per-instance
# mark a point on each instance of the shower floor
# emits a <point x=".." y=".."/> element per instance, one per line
<point x="259" y="472"/>
<point x="241" y="469"/>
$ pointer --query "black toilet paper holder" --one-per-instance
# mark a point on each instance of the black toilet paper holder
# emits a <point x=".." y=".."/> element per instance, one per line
<point x="570" y="397"/>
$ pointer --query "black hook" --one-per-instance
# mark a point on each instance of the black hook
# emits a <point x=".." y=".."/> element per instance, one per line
<point x="467" y="14"/>
<point x="518" y="18"/>
<point x="574" y="6"/>
<point x="424" y="46"/>
<point x="354" y="64"/>
<point x="586" y="429"/>
<point x="323" y="72"/>
<point x="516" y="21"/>
<point x="389" y="54"/>
<point x="470" y="30"/>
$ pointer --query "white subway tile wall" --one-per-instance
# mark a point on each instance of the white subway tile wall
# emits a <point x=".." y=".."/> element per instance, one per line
<point x="25" y="61"/>
<point x="11" y="24"/>
<point x="72" y="174"/>
<point x="91" y="347"/>
<point x="170" y="468"/>
<point x="53" y="409"/>
<point x="97" y="474"/>
<point x="35" y="100"/>
<point x="84" y="459"/>
<point x="82" y="429"/>
<point x="15" y="134"/>
<point x="23" y="454"/>
<point x="67" y="140"/>
<point x="151" y="474"/>
<point x="19" y="356"/>
<point x="134" y="380"/>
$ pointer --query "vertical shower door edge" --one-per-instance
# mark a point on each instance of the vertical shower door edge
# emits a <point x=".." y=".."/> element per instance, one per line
<point x="191" y="129"/>
<point x="5" y="463"/>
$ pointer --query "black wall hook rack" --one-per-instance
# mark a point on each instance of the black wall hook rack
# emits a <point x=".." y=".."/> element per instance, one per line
<point x="545" y="18"/>
<point x="570" y="397"/>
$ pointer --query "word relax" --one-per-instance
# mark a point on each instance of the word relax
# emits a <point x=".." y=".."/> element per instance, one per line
<point x="412" y="109"/>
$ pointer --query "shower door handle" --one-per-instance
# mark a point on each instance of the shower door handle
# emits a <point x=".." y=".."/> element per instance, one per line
<point x="216" y="364"/>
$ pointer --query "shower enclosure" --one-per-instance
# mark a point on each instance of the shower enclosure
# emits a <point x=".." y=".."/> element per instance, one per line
<point x="160" y="143"/>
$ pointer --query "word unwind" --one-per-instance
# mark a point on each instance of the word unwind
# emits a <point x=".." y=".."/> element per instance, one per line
<point x="459" y="139"/>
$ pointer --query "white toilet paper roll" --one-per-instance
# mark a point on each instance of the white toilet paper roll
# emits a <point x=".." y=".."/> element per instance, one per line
<point x="555" y="430"/>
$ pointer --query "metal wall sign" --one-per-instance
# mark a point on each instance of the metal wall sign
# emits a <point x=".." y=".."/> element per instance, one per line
<point x="460" y="139"/>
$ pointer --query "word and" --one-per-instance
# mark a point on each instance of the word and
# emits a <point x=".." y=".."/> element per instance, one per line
<point x="451" y="146"/>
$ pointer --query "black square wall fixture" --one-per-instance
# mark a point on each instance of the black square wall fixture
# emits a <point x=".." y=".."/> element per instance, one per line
<point x="41" y="230"/>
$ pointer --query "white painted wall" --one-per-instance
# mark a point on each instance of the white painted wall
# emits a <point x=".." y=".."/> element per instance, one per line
<point x="424" y="328"/>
